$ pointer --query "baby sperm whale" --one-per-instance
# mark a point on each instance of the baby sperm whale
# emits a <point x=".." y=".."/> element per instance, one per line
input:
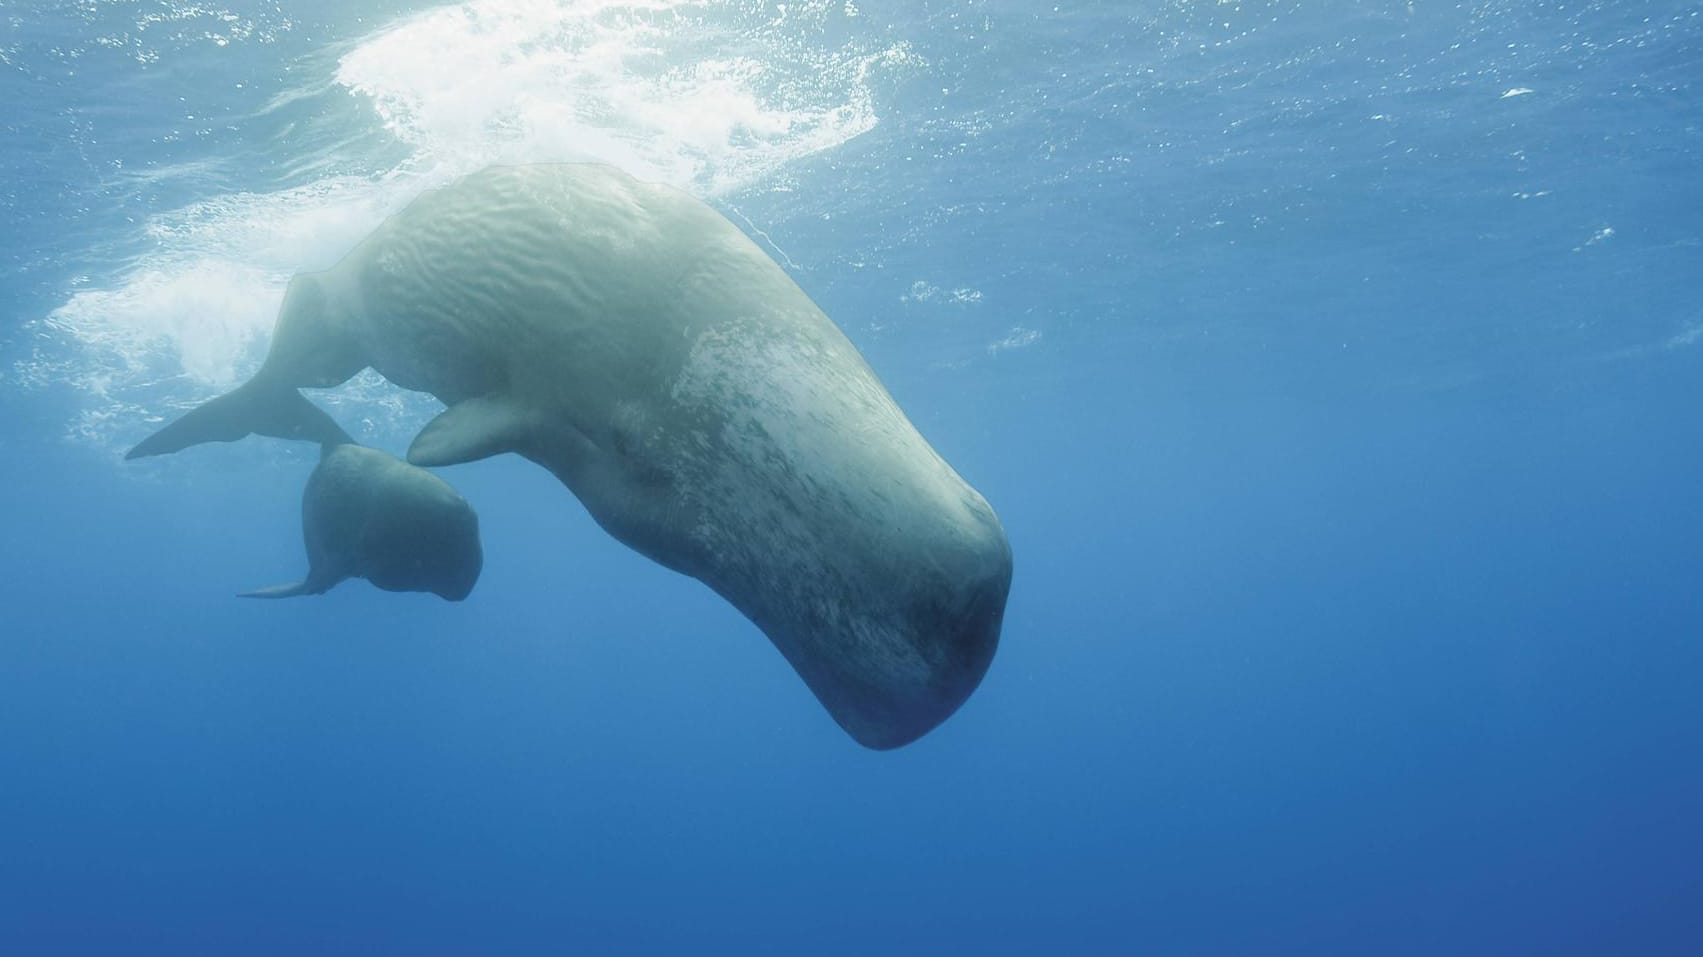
<point x="367" y="514"/>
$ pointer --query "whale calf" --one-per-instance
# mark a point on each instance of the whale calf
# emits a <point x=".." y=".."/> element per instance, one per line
<point x="631" y="340"/>
<point x="366" y="514"/>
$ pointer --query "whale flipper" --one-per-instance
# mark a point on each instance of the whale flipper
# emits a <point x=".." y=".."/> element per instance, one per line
<point x="257" y="406"/>
<point x="475" y="429"/>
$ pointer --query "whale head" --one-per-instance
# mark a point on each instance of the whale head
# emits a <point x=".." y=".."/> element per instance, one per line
<point x="433" y="546"/>
<point x="941" y="629"/>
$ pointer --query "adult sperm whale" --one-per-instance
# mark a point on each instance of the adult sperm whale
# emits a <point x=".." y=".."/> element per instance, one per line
<point x="366" y="514"/>
<point x="631" y="340"/>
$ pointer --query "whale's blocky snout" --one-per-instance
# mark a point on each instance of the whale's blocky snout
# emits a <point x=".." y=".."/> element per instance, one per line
<point x="431" y="545"/>
<point x="461" y="559"/>
<point x="455" y="581"/>
<point x="954" y="626"/>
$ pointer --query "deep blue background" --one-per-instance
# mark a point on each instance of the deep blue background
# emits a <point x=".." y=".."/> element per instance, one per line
<point x="1354" y="498"/>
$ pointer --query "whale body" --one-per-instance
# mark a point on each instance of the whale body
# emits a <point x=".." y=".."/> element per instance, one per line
<point x="634" y="342"/>
<point x="366" y="514"/>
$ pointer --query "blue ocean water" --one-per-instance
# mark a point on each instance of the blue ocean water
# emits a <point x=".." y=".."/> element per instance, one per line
<point x="1334" y="369"/>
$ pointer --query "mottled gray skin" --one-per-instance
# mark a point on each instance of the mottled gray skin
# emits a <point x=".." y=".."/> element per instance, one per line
<point x="369" y="515"/>
<point x="631" y="340"/>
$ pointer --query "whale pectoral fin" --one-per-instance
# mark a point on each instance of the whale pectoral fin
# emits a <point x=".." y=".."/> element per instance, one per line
<point x="257" y="406"/>
<point x="472" y="430"/>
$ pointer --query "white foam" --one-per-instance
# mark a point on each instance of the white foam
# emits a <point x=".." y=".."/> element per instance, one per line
<point x="710" y="95"/>
<point x="206" y="310"/>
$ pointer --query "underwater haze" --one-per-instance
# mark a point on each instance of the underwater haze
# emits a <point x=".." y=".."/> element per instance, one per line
<point x="1335" y="369"/>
